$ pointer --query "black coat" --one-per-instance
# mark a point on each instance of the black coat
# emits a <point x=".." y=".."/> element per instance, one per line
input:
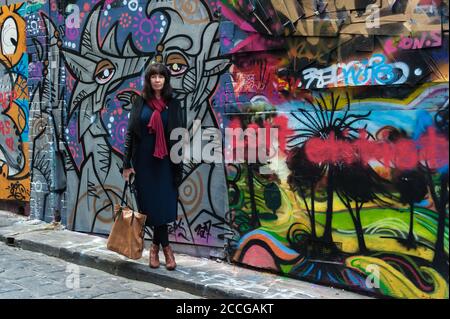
<point x="176" y="118"/>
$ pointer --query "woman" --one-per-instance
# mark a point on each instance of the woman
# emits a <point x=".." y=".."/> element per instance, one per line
<point x="147" y="149"/>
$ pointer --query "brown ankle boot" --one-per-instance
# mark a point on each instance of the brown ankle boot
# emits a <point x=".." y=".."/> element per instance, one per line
<point x="154" y="256"/>
<point x="170" y="258"/>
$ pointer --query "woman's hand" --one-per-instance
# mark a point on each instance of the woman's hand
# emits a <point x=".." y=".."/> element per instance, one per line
<point x="127" y="172"/>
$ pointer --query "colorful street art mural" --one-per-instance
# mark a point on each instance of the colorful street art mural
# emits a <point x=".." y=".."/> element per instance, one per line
<point x="14" y="155"/>
<point x="98" y="52"/>
<point x="357" y="196"/>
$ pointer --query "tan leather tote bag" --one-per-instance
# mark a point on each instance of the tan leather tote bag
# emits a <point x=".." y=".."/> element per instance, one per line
<point x="128" y="230"/>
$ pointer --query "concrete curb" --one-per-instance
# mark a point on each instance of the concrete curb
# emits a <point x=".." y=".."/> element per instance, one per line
<point x="198" y="276"/>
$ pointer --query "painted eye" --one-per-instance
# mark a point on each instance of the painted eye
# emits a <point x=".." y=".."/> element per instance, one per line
<point x="104" y="72"/>
<point x="9" y="36"/>
<point x="177" y="64"/>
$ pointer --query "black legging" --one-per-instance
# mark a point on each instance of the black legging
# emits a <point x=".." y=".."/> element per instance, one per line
<point x="161" y="235"/>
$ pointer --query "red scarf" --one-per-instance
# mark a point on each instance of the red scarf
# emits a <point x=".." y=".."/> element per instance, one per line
<point x="155" y="125"/>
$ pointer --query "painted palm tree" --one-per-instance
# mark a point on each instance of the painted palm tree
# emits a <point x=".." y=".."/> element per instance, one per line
<point x="262" y="117"/>
<point x="412" y="186"/>
<point x="358" y="184"/>
<point x="272" y="197"/>
<point x="244" y="123"/>
<point x="303" y="179"/>
<point x="323" y="120"/>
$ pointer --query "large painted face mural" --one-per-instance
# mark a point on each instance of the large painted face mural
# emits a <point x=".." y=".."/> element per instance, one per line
<point x="14" y="164"/>
<point x="98" y="69"/>
<point x="190" y="49"/>
<point x="357" y="196"/>
<point x="100" y="77"/>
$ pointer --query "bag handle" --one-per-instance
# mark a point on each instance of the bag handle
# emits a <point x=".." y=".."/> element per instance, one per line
<point x="132" y="191"/>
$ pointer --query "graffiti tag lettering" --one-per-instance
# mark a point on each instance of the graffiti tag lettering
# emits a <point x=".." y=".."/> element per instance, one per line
<point x="373" y="71"/>
<point x="421" y="40"/>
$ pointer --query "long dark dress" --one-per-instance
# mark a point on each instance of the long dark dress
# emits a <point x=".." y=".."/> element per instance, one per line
<point x="156" y="193"/>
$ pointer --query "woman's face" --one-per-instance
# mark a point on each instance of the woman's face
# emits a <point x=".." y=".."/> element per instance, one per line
<point x="157" y="82"/>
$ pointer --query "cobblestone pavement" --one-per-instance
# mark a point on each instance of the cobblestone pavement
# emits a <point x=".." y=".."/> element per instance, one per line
<point x="25" y="275"/>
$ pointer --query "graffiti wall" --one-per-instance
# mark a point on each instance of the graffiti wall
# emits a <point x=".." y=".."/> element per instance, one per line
<point x="91" y="57"/>
<point x="14" y="155"/>
<point x="358" y="195"/>
<point x="47" y="112"/>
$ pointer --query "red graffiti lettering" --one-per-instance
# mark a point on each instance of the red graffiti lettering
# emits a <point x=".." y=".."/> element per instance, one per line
<point x="425" y="39"/>
<point x="10" y="143"/>
<point x="437" y="38"/>
<point x="405" y="43"/>
<point x="260" y="139"/>
<point x="6" y="98"/>
<point x="389" y="47"/>
<point x="5" y="128"/>
<point x="418" y="43"/>
<point x="405" y="156"/>
<point x="431" y="149"/>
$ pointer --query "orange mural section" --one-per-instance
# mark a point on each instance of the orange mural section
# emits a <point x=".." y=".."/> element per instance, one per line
<point x="14" y="105"/>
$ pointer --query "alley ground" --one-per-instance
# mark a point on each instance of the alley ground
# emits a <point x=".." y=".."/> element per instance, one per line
<point x="25" y="274"/>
